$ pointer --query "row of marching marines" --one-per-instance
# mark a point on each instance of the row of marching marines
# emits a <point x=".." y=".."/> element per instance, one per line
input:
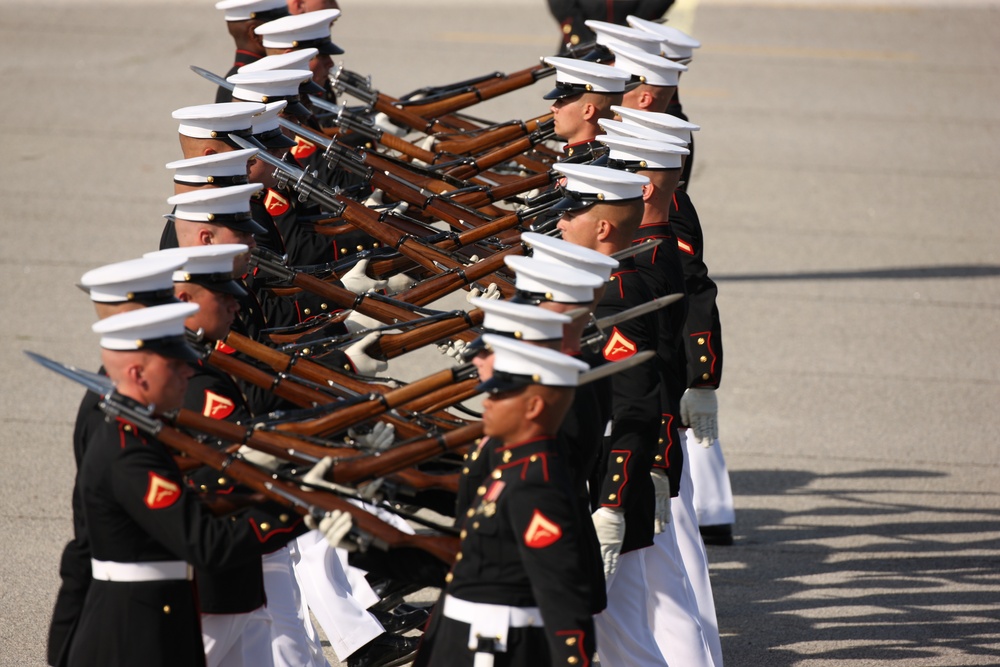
<point x="247" y="471"/>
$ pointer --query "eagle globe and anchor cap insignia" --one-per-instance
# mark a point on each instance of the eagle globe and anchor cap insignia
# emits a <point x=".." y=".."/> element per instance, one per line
<point x="161" y="492"/>
<point x="618" y="346"/>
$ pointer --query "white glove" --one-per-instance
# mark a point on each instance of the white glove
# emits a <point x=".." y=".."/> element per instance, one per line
<point x="380" y="439"/>
<point x="661" y="488"/>
<point x="355" y="322"/>
<point x="492" y="292"/>
<point x="399" y="282"/>
<point x="316" y="474"/>
<point x="364" y="364"/>
<point x="259" y="458"/>
<point x="700" y="411"/>
<point x="453" y="348"/>
<point x="383" y="123"/>
<point x="609" y="524"/>
<point x="335" y="526"/>
<point x="360" y="282"/>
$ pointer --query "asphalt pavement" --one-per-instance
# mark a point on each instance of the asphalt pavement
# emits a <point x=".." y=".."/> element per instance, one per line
<point x="846" y="178"/>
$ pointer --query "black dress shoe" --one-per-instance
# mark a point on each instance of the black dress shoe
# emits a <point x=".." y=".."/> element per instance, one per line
<point x="719" y="535"/>
<point x="391" y="593"/>
<point x="386" y="650"/>
<point x="401" y="619"/>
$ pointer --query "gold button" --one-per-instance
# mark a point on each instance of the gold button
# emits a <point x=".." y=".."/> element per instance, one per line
<point x="465" y="458"/>
<point x="497" y="474"/>
<point x="475" y="525"/>
<point x="620" y="459"/>
<point x="571" y="660"/>
<point x="533" y="458"/>
<point x="567" y="29"/>
<point x="283" y="518"/>
<point x="323" y="306"/>
<point x="306" y="311"/>
<point x="481" y="491"/>
<point x="571" y="641"/>
<point x="663" y="421"/>
<point x="574" y="40"/>
<point x="458" y="556"/>
<point x="360" y="248"/>
<point x="701" y="341"/>
<point x="448" y="577"/>
<point x="204" y="488"/>
<point x="658" y="457"/>
<point x="611" y="496"/>
<point x="128" y="428"/>
<point x="464" y="534"/>
<point x="475" y="455"/>
<point x="613" y="278"/>
<point x="705" y="376"/>
<point x="166" y="609"/>
<point x="265" y="527"/>
<point x="465" y="471"/>
<point x="375" y="245"/>
<point x="702" y="359"/>
<point x="222" y="480"/>
<point x="470" y="512"/>
<point x="616" y="478"/>
<point x="507" y="456"/>
<point x="661" y="441"/>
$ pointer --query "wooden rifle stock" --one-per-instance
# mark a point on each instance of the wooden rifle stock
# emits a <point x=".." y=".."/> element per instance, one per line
<point x="501" y="192"/>
<point x="433" y="288"/>
<point x="295" y="393"/>
<point x="479" y="93"/>
<point x="444" y="397"/>
<point x="485" y="140"/>
<point x="420" y="481"/>
<point x="393" y="345"/>
<point x="442" y="547"/>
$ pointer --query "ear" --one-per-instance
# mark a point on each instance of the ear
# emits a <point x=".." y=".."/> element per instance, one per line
<point x="251" y="36"/>
<point x="647" y="191"/>
<point x="588" y="111"/>
<point x="645" y="100"/>
<point x="534" y="408"/>
<point x="136" y="374"/>
<point x="184" y="295"/>
<point x="206" y="236"/>
<point x="604" y="229"/>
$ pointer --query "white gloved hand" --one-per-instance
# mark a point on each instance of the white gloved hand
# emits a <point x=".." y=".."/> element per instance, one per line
<point x="316" y="474"/>
<point x="609" y="524"/>
<point x="335" y="526"/>
<point x="453" y="348"/>
<point x="700" y="411"/>
<point x="399" y="282"/>
<point x="379" y="439"/>
<point x="259" y="458"/>
<point x="491" y="292"/>
<point x="661" y="489"/>
<point x="364" y="364"/>
<point x="360" y="282"/>
<point x="355" y="322"/>
<point x="383" y="122"/>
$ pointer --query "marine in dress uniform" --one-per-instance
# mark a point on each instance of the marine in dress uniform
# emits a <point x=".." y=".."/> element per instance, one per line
<point x="242" y="17"/>
<point x="601" y="211"/>
<point x="583" y="94"/>
<point x="146" y="528"/>
<point x="113" y="288"/>
<point x="517" y="594"/>
<point x="572" y="16"/>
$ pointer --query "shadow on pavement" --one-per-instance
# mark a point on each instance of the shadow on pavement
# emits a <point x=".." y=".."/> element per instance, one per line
<point x="851" y="575"/>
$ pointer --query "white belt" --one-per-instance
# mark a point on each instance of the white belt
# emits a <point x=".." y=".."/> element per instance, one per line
<point x="489" y="623"/>
<point x="164" y="570"/>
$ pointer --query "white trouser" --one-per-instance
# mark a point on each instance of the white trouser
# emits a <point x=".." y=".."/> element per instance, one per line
<point x="237" y="640"/>
<point x="694" y="557"/>
<point x="337" y="599"/>
<point x="294" y="642"/>
<point x="624" y="637"/>
<point x="713" y="495"/>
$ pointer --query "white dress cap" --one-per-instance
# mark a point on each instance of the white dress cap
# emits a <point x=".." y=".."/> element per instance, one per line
<point x="520" y="320"/>
<point x="301" y="31"/>
<point x="661" y="122"/>
<point x="538" y="280"/>
<point x="269" y="85"/>
<point x="674" y="44"/>
<point x="517" y="364"/>
<point x="558" y="251"/>
<point x="600" y="184"/>
<point x="611" y="36"/>
<point x="267" y="119"/>
<point x="258" y="10"/>
<point x="219" y="169"/>
<point x="621" y="129"/>
<point x="652" y="69"/>
<point x="217" y="205"/>
<point x="291" y="60"/>
<point x="216" y="259"/>
<point x="631" y="154"/>
<point x="144" y="328"/>
<point x="132" y="280"/>
<point x="574" y="77"/>
<point x="216" y="121"/>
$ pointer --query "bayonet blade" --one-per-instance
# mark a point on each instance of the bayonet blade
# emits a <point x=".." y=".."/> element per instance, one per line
<point x="214" y="78"/>
<point x="636" y="311"/>
<point x="636" y="249"/>
<point x="99" y="384"/>
<point x="609" y="369"/>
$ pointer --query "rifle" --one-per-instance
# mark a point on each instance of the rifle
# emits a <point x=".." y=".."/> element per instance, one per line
<point x="316" y="503"/>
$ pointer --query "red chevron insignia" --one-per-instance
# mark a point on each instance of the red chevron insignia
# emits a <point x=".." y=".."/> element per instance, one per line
<point x="161" y="492"/>
<point x="216" y="406"/>
<point x="619" y="346"/>
<point x="541" y="532"/>
<point x="275" y="204"/>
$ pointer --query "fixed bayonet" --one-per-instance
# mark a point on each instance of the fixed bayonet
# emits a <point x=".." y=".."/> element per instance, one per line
<point x="636" y="311"/>
<point x="609" y="369"/>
